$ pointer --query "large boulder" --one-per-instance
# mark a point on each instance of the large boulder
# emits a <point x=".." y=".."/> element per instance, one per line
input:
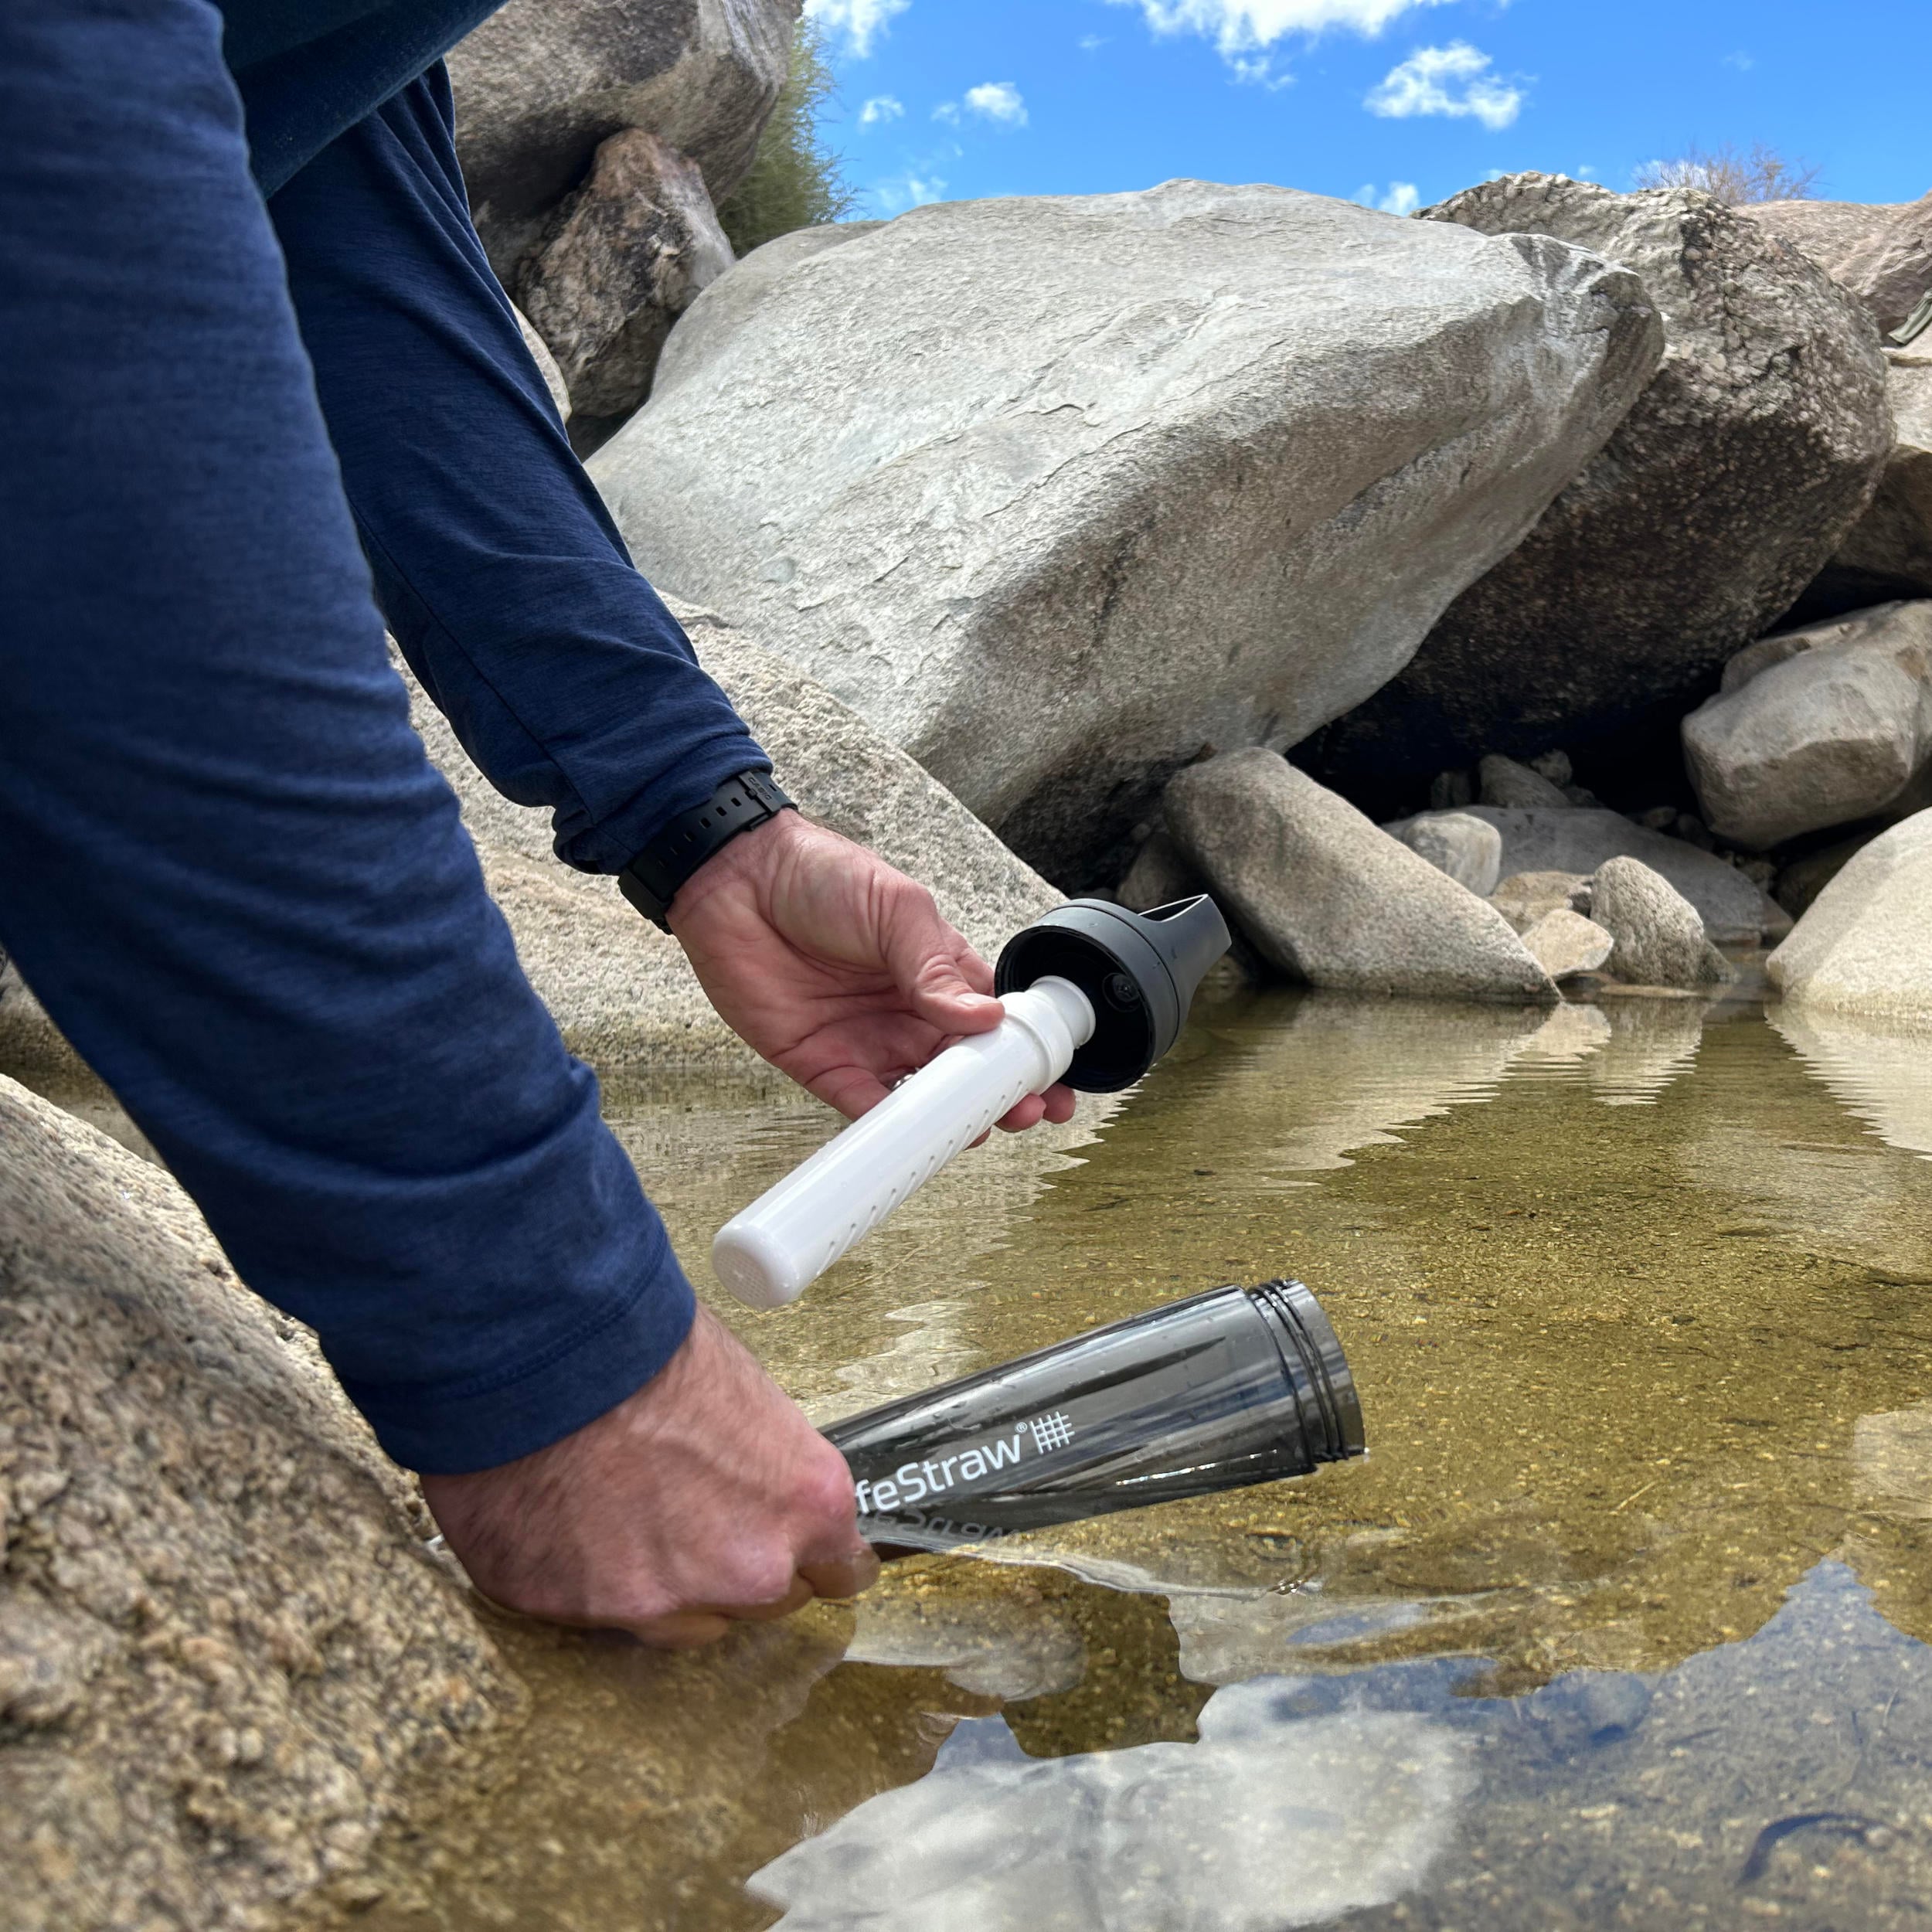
<point x="1329" y="898"/>
<point x="1816" y="727"/>
<point x="1888" y="552"/>
<point x="1735" y="911"/>
<point x="1057" y="491"/>
<point x="621" y="259"/>
<point x="1865" y="945"/>
<point x="621" y="991"/>
<point x="1658" y="936"/>
<point x="1881" y="252"/>
<point x="1734" y="477"/>
<point x="226" y="1656"/>
<point x="541" y="83"/>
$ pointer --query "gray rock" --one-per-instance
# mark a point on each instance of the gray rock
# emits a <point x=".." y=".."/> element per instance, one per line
<point x="1159" y="875"/>
<point x="1579" y="839"/>
<point x="1504" y="782"/>
<point x="1451" y="790"/>
<point x="1526" y="897"/>
<point x="1832" y="233"/>
<point x="546" y="364"/>
<point x="621" y="991"/>
<point x="1555" y="766"/>
<point x="1890" y="267"/>
<point x="1800" y="882"/>
<point x="1329" y="899"/>
<point x="1658" y="933"/>
<point x="225" y="1656"/>
<point x="1890" y="548"/>
<point x="1865" y="945"/>
<point x="1816" y="727"/>
<point x="621" y="259"/>
<point x="1055" y="491"/>
<point x="1467" y="850"/>
<point x="541" y="83"/>
<point x="1726" y="489"/>
<point x="1565" y="944"/>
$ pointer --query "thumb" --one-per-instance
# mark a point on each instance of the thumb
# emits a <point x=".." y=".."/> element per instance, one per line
<point x="947" y="983"/>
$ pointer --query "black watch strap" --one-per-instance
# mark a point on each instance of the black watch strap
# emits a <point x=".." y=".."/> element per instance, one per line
<point x="652" y="880"/>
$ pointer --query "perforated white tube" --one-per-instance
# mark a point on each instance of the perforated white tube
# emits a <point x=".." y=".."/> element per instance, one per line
<point x="794" y="1232"/>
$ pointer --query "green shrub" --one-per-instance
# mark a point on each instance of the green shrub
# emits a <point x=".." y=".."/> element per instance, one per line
<point x="795" y="180"/>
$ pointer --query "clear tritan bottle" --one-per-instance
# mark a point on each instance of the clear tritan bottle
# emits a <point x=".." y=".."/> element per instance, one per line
<point x="1235" y="1386"/>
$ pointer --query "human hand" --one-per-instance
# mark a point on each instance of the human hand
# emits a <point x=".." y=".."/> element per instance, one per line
<point x="704" y="1497"/>
<point x="836" y="969"/>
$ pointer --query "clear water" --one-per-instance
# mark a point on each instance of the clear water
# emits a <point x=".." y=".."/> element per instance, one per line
<point x="1625" y="1621"/>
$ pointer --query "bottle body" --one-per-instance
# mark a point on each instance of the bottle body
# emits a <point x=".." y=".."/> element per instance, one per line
<point x="1235" y="1386"/>
<point x="788" y="1236"/>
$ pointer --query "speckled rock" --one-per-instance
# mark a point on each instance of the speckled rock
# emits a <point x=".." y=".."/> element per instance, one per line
<point x="1888" y="551"/>
<point x="1056" y="490"/>
<point x="1160" y="874"/>
<point x="225" y="1653"/>
<point x="1658" y="934"/>
<point x="1817" y="727"/>
<point x="1329" y="898"/>
<point x="1468" y="849"/>
<point x="1525" y="897"/>
<point x="1754" y="450"/>
<point x="621" y="990"/>
<point x="1565" y="944"/>
<point x="1880" y="251"/>
<point x="1502" y="781"/>
<point x="1865" y="945"/>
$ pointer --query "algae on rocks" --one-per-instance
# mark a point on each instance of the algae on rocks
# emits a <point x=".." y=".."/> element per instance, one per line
<point x="226" y="1657"/>
<point x="1056" y="490"/>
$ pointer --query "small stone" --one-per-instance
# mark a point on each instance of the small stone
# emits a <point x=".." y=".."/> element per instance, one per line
<point x="1468" y="849"/>
<point x="1658" y="818"/>
<point x="1694" y="832"/>
<point x="1555" y="766"/>
<point x="1449" y="790"/>
<point x="1516" y="787"/>
<point x="1565" y="944"/>
<point x="1660" y="940"/>
<point x="1526" y="897"/>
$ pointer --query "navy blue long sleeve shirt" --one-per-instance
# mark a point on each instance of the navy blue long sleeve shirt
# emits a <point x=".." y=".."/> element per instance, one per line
<point x="235" y="428"/>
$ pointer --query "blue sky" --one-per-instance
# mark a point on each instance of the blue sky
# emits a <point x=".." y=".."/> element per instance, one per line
<point x="1398" y="101"/>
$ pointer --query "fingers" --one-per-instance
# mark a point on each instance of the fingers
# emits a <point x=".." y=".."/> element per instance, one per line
<point x="1056" y="1105"/>
<point x="844" y="1577"/>
<point x="948" y="984"/>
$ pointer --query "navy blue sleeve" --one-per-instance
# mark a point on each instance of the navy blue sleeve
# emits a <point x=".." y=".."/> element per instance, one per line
<point x="229" y="871"/>
<point x="496" y="563"/>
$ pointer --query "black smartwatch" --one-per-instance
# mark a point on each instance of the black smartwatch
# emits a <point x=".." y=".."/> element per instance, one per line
<point x="652" y="880"/>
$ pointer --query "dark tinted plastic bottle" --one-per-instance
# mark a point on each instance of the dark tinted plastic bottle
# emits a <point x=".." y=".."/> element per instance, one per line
<point x="1235" y="1386"/>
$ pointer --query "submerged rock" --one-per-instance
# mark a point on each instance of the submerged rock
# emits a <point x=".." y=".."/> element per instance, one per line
<point x="1816" y="727"/>
<point x="1057" y="491"/>
<point x="539" y="85"/>
<point x="1330" y="899"/>
<point x="1658" y="933"/>
<point x="1735" y="911"/>
<point x="1720" y="495"/>
<point x="225" y="1652"/>
<point x="621" y="259"/>
<point x="1469" y="850"/>
<point x="1865" y="945"/>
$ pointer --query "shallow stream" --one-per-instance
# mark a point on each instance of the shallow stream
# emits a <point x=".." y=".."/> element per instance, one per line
<point x="1623" y="1621"/>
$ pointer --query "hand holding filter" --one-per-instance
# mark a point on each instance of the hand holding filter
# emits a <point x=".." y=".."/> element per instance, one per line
<point x="1094" y="995"/>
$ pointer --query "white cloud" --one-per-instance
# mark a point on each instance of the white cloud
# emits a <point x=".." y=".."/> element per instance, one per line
<point x="1240" y="27"/>
<point x="948" y="112"/>
<point x="1454" y="80"/>
<point x="909" y="190"/>
<point x="1402" y="197"/>
<point x="861" y="21"/>
<point x="880" y="108"/>
<point x="1744" y="63"/>
<point x="997" y="100"/>
<point x="1092" y="43"/>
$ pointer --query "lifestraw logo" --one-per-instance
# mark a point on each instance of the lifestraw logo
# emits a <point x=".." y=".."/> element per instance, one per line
<point x="912" y="1482"/>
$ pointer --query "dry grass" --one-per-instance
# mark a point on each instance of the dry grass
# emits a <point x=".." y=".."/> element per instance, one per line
<point x="1733" y="176"/>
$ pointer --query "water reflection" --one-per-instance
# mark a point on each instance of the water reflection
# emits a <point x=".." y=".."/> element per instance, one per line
<point x="1270" y="1819"/>
<point x="1884" y="1074"/>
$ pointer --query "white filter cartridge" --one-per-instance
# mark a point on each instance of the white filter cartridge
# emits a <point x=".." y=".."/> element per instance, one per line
<point x="768" y="1255"/>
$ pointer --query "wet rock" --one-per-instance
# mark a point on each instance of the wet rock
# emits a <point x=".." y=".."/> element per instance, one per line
<point x="1865" y="945"/>
<point x="539" y="86"/>
<point x="1889" y="550"/>
<point x="1468" y="850"/>
<point x="1329" y="898"/>
<point x="621" y="990"/>
<point x="1565" y="944"/>
<point x="1579" y="839"/>
<point x="1816" y="727"/>
<point x="224" y="1654"/>
<point x="1160" y="874"/>
<point x="1109" y="479"/>
<point x="1525" y="897"/>
<point x="1658" y="933"/>
<point x="1722" y="492"/>
<point x="546" y="366"/>
<point x="1514" y="787"/>
<point x="622" y="258"/>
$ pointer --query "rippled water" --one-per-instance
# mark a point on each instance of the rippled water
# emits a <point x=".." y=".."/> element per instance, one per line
<point x="1623" y="1621"/>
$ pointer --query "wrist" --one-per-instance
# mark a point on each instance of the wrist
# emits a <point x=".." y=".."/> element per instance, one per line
<point x="660" y="870"/>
